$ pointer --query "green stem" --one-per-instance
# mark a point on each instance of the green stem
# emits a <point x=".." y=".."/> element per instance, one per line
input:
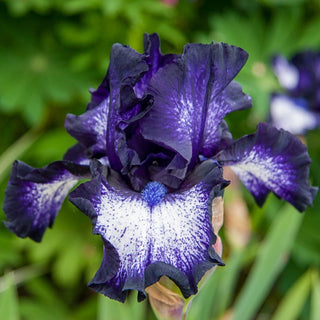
<point x="16" y="150"/>
<point x="21" y="275"/>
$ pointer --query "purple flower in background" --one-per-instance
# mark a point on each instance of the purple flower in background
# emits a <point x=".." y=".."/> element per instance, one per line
<point x="153" y="143"/>
<point x="298" y="109"/>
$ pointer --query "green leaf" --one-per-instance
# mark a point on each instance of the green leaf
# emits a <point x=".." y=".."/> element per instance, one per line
<point x="215" y="295"/>
<point x="16" y="150"/>
<point x="315" y="296"/>
<point x="237" y="29"/>
<point x="285" y="22"/>
<point x="51" y="146"/>
<point x="201" y="305"/>
<point x="113" y="310"/>
<point x="291" y="305"/>
<point x="307" y="249"/>
<point x="42" y="289"/>
<point x="69" y="264"/>
<point x="34" y="309"/>
<point x="8" y="299"/>
<point x="269" y="263"/>
<point x="310" y="34"/>
<point x="282" y="2"/>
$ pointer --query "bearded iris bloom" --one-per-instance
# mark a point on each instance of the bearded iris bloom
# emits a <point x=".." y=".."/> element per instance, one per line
<point x="153" y="144"/>
<point x="298" y="109"/>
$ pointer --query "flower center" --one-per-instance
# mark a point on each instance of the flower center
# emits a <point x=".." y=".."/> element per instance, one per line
<point x="153" y="193"/>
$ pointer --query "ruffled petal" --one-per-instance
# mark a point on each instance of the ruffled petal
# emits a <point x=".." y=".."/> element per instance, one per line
<point x="153" y="233"/>
<point x="34" y="196"/>
<point x="214" y="142"/>
<point x="272" y="160"/>
<point x="292" y="114"/>
<point x="99" y="95"/>
<point x="77" y="154"/>
<point x="155" y="60"/>
<point x="90" y="128"/>
<point x="187" y="91"/>
<point x="216" y="134"/>
<point x="125" y="69"/>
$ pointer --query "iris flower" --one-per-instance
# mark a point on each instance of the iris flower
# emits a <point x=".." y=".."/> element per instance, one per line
<point x="152" y="144"/>
<point x="298" y="109"/>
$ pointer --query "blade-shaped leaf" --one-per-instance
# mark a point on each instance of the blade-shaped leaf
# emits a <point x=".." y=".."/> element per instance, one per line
<point x="291" y="305"/>
<point x="269" y="263"/>
<point x="8" y="299"/>
<point x="113" y="310"/>
<point x="315" y="296"/>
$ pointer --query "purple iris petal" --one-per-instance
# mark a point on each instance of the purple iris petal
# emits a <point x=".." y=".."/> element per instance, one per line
<point x="216" y="136"/>
<point x="272" y="160"/>
<point x="186" y="91"/>
<point x="125" y="69"/>
<point x="77" y="154"/>
<point x="90" y="128"/>
<point x="155" y="60"/>
<point x="292" y="114"/>
<point x="34" y="196"/>
<point x="222" y="138"/>
<point x="152" y="233"/>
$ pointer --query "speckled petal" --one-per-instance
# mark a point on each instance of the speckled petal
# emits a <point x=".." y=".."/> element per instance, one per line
<point x="187" y="91"/>
<point x="272" y="160"/>
<point x="216" y="134"/>
<point x="34" y="196"/>
<point x="144" y="239"/>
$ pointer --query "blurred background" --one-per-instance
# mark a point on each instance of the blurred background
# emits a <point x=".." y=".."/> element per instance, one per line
<point x="51" y="53"/>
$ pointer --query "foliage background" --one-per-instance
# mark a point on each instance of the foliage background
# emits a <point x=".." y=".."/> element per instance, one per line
<point x="51" y="52"/>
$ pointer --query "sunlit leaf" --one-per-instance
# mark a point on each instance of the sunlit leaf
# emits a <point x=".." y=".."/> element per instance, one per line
<point x="8" y="299"/>
<point x="315" y="296"/>
<point x="292" y="303"/>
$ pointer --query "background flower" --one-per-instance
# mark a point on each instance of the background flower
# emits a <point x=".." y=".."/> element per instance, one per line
<point x="298" y="109"/>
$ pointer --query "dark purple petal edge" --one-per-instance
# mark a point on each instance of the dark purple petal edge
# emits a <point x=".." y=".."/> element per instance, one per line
<point x="272" y="160"/>
<point x="34" y="196"/>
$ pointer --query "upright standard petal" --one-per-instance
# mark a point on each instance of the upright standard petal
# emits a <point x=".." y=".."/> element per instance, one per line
<point x="34" y="196"/>
<point x="153" y="233"/>
<point x="155" y="60"/>
<point x="271" y="160"/>
<point x="216" y="137"/>
<point x="187" y="91"/>
<point x="126" y="68"/>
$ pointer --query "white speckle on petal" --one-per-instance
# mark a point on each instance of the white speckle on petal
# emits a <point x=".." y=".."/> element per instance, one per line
<point x="46" y="197"/>
<point x="176" y="231"/>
